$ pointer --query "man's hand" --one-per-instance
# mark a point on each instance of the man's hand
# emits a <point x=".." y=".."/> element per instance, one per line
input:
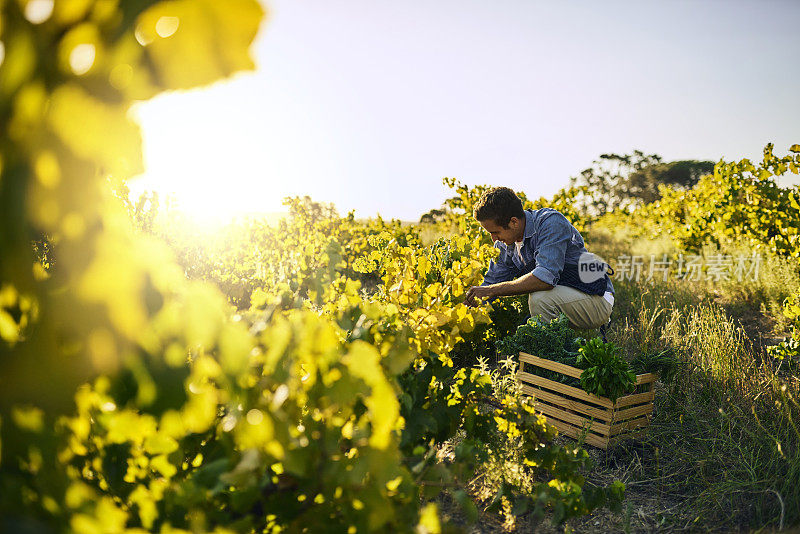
<point x="521" y="286"/>
<point x="478" y="292"/>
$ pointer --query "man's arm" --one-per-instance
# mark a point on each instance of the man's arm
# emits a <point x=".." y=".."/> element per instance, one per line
<point x="521" y="286"/>
<point x="555" y="233"/>
<point x="500" y="271"/>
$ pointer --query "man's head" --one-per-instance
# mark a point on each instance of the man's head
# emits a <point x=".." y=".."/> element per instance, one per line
<point x="500" y="213"/>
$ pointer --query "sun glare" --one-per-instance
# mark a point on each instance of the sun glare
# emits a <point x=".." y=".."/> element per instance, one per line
<point x="201" y="158"/>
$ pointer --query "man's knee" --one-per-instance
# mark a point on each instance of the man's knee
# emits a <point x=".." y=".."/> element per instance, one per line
<point x="540" y="297"/>
<point x="542" y="303"/>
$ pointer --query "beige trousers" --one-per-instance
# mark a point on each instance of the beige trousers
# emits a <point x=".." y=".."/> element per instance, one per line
<point x="583" y="311"/>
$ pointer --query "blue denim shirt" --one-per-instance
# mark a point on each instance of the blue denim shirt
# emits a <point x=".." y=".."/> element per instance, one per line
<point x="549" y="242"/>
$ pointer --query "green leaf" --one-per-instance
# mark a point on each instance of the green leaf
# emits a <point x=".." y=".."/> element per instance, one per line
<point x="196" y="42"/>
<point x="363" y="362"/>
<point x="208" y="475"/>
<point x="467" y="506"/>
<point x="521" y="505"/>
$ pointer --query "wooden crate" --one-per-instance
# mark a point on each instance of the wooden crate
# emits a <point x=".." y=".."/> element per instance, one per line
<point x="573" y="410"/>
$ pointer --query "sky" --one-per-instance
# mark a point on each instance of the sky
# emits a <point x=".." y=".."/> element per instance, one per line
<point x="370" y="103"/>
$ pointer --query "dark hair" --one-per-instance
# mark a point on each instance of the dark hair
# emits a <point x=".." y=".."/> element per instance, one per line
<point x="499" y="204"/>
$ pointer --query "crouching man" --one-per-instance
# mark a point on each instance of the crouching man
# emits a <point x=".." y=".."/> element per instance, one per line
<point x="543" y="255"/>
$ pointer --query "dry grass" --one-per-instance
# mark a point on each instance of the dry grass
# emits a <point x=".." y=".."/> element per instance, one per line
<point x="722" y="451"/>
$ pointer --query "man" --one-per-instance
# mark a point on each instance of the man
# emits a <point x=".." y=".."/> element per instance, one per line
<point x="543" y="255"/>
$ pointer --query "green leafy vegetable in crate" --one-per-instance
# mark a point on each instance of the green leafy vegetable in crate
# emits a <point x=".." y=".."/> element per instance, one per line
<point x="605" y="372"/>
<point x="555" y="341"/>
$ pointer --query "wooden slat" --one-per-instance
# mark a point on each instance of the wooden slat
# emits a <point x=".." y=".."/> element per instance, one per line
<point x="562" y="368"/>
<point x="629" y="425"/>
<point x="577" y="420"/>
<point x="632" y="412"/>
<point x="552" y="399"/>
<point x="646" y="378"/>
<point x="568" y="370"/>
<point x="568" y="404"/>
<point x="563" y="388"/>
<point x="638" y="398"/>
<point x="574" y="432"/>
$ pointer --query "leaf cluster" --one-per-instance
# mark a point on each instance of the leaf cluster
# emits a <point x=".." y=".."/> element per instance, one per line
<point x="605" y="371"/>
<point x="788" y="350"/>
<point x="741" y="202"/>
<point x="554" y="340"/>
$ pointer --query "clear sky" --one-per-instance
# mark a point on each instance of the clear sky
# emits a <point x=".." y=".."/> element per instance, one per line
<point x="369" y="103"/>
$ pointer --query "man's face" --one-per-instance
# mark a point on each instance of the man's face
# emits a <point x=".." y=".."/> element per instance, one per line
<point x="508" y="235"/>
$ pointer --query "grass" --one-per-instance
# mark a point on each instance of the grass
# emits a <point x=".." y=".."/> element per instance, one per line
<point x="723" y="451"/>
<point x="764" y="295"/>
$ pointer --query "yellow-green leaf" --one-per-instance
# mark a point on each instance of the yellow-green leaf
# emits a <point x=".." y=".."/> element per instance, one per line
<point x="793" y="201"/>
<point x="363" y="362"/>
<point x="96" y="131"/>
<point x="196" y="42"/>
<point x="429" y="520"/>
